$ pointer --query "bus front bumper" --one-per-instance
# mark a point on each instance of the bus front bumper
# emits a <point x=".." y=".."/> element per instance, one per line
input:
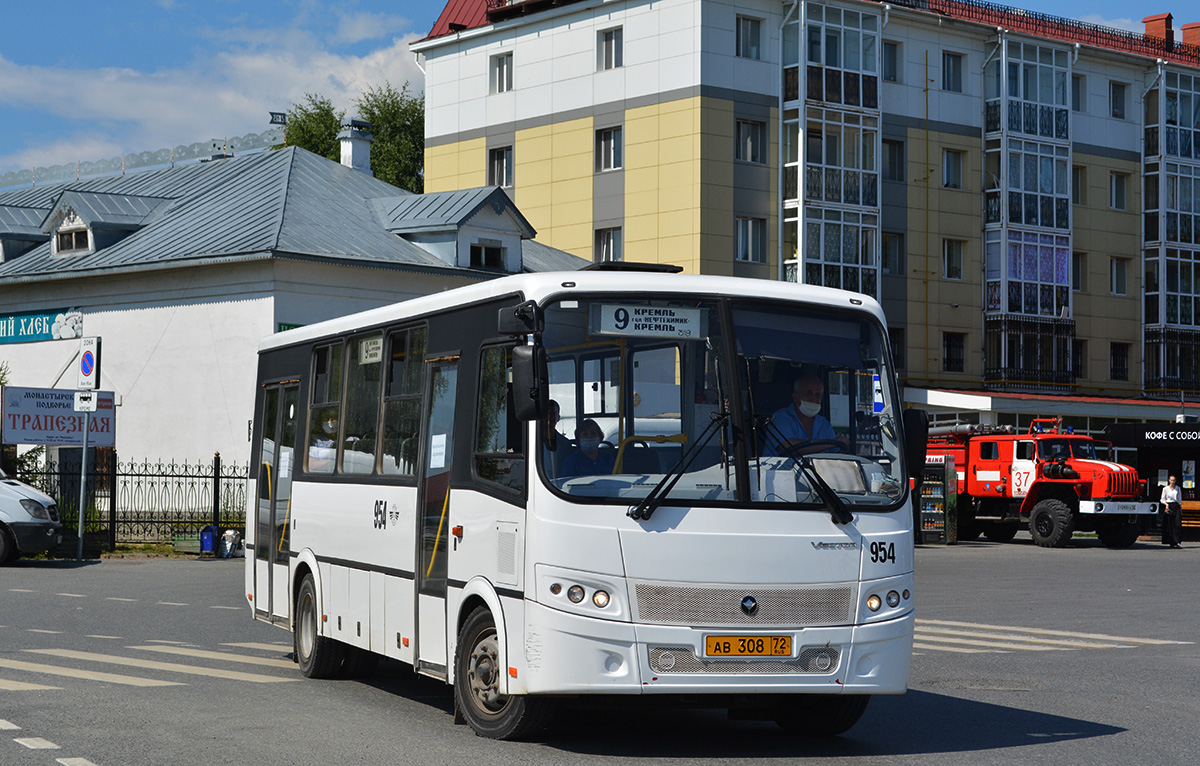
<point x="572" y="654"/>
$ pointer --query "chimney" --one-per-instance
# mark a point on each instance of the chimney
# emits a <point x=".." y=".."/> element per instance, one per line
<point x="1191" y="33"/>
<point x="356" y="145"/>
<point x="1158" y="27"/>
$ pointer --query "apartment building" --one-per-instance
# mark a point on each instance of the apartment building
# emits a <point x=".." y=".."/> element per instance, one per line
<point x="1021" y="192"/>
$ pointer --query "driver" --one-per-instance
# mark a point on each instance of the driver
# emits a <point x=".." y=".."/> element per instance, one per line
<point x="801" y="421"/>
<point x="589" y="459"/>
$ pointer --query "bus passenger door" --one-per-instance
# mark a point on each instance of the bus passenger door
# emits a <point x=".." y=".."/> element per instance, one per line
<point x="271" y="539"/>
<point x="434" y="519"/>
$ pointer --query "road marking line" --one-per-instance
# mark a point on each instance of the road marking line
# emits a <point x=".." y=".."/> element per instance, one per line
<point x="38" y="630"/>
<point x="958" y="649"/>
<point x="994" y="644"/>
<point x="130" y="600"/>
<point x="37" y="743"/>
<point x="264" y="647"/>
<point x="233" y="675"/>
<point x="91" y="675"/>
<point x="1017" y="637"/>
<point x="112" y="637"/>
<point x="22" y="590"/>
<point x="21" y="686"/>
<point x="164" y="641"/>
<point x="170" y="603"/>
<point x="1046" y="632"/>
<point x="72" y="595"/>
<point x="235" y="608"/>
<point x="7" y="725"/>
<point x="75" y="762"/>
<point x="219" y="656"/>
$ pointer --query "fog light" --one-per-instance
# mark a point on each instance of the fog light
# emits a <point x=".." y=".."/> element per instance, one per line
<point x="555" y="589"/>
<point x="1099" y="507"/>
<point x="600" y="599"/>
<point x="823" y="662"/>
<point x="575" y="593"/>
<point x="874" y="602"/>
<point x="893" y="599"/>
<point x="906" y="595"/>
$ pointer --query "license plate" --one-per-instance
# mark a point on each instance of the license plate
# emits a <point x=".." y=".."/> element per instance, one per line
<point x="748" y="646"/>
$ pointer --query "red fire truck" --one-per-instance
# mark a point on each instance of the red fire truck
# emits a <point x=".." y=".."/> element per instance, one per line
<point x="1048" y="478"/>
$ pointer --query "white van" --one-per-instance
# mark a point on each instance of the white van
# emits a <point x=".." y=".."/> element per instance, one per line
<point x="28" y="520"/>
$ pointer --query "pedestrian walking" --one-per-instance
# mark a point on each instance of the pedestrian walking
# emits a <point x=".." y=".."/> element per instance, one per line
<point x="1172" y="525"/>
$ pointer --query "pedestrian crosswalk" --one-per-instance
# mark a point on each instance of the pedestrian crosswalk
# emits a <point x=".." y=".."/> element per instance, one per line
<point x="144" y="665"/>
<point x="979" y="638"/>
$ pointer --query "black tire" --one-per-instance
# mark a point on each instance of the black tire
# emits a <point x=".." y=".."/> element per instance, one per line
<point x="1119" y="532"/>
<point x="820" y="715"/>
<point x="477" y="696"/>
<point x="1051" y="524"/>
<point x="1001" y="531"/>
<point x="968" y="529"/>
<point x="8" y="548"/>
<point x="319" y="657"/>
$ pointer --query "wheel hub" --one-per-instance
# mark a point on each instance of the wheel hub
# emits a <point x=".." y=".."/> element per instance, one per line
<point x="484" y="673"/>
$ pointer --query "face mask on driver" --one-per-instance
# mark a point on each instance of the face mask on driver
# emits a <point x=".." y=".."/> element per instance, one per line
<point x="589" y="445"/>
<point x="809" y="409"/>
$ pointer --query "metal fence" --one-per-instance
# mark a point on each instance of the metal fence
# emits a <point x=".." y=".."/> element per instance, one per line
<point x="141" y="502"/>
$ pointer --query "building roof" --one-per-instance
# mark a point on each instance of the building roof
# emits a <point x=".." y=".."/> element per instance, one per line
<point x="439" y="211"/>
<point x="289" y="202"/>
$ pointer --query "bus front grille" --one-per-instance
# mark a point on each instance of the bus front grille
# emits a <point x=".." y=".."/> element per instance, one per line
<point x="716" y="606"/>
<point x="812" y="659"/>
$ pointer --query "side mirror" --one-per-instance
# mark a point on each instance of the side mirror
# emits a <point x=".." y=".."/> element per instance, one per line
<point x="531" y="386"/>
<point x="523" y="319"/>
<point x="916" y="438"/>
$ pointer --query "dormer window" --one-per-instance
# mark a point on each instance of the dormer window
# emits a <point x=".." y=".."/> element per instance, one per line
<point x="75" y="241"/>
<point x="487" y="256"/>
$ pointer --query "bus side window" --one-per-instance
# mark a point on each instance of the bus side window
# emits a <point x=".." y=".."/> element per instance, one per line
<point x="499" y="440"/>
<point x="363" y="388"/>
<point x="325" y="402"/>
<point x="402" y="398"/>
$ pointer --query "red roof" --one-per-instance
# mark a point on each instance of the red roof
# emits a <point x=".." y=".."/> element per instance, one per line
<point x="467" y="13"/>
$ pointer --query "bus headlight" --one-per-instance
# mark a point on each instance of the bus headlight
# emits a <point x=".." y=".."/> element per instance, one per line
<point x="600" y="598"/>
<point x="874" y="602"/>
<point x="893" y="599"/>
<point x="575" y="593"/>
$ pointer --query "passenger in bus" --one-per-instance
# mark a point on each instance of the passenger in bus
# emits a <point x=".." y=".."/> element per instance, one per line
<point x="322" y="445"/>
<point x="801" y="422"/>
<point x="589" y="459"/>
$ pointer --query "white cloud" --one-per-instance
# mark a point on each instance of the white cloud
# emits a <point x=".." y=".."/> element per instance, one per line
<point x="226" y="94"/>
<point x="1127" y="24"/>
<point x="353" y="28"/>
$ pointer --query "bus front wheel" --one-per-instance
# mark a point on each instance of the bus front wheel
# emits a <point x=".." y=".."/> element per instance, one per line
<point x="477" y="673"/>
<point x="318" y="656"/>
<point x="819" y="715"/>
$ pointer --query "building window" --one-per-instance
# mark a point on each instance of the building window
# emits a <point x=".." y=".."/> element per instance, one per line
<point x="952" y="169"/>
<point x="1117" y="182"/>
<point x="500" y="166"/>
<point x="1078" y="358"/>
<point x="953" y="344"/>
<point x="608" y="149"/>
<point x="610" y="49"/>
<point x="1118" y="270"/>
<point x="608" y="245"/>
<point x="1079" y="272"/>
<point x="752" y="240"/>
<point x="892" y="254"/>
<point x="891" y="61"/>
<point x="841" y="250"/>
<point x="893" y="160"/>
<point x="896" y="341"/>
<point x="502" y="73"/>
<point x="952" y="69"/>
<point x="751" y="141"/>
<point x="71" y="241"/>
<point x="1078" y="93"/>
<point x="749" y="36"/>
<point x="1078" y="185"/>
<point x="487" y="256"/>
<point x="1116" y="99"/>
<point x="1118" y="361"/>
<point x="952" y="258"/>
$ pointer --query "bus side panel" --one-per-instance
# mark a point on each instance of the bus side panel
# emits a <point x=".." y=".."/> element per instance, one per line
<point x="397" y="619"/>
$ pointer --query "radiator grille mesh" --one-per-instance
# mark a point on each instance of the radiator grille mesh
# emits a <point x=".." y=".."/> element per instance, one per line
<point x="814" y="659"/>
<point x="796" y="607"/>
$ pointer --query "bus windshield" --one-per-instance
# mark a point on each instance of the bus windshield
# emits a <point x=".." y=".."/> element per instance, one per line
<point x="721" y="401"/>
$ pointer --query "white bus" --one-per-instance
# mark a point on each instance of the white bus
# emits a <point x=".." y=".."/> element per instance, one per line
<point x="592" y="483"/>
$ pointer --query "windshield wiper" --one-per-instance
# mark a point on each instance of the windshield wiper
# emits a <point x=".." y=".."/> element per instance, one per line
<point x="837" y="507"/>
<point x="654" y="497"/>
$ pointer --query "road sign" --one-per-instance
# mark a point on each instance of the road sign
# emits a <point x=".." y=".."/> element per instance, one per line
<point x="89" y="364"/>
<point x="85" y="401"/>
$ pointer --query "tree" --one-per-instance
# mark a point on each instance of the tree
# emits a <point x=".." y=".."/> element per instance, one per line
<point x="398" y="127"/>
<point x="313" y="125"/>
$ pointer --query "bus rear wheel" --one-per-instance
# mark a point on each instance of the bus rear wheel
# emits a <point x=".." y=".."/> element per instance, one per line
<point x="477" y="673"/>
<point x="319" y="657"/>
<point x="820" y="715"/>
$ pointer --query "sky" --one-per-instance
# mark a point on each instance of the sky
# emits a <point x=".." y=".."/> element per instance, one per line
<point x="85" y="81"/>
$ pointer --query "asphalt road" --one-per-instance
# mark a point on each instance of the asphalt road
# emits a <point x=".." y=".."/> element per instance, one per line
<point x="1024" y="655"/>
